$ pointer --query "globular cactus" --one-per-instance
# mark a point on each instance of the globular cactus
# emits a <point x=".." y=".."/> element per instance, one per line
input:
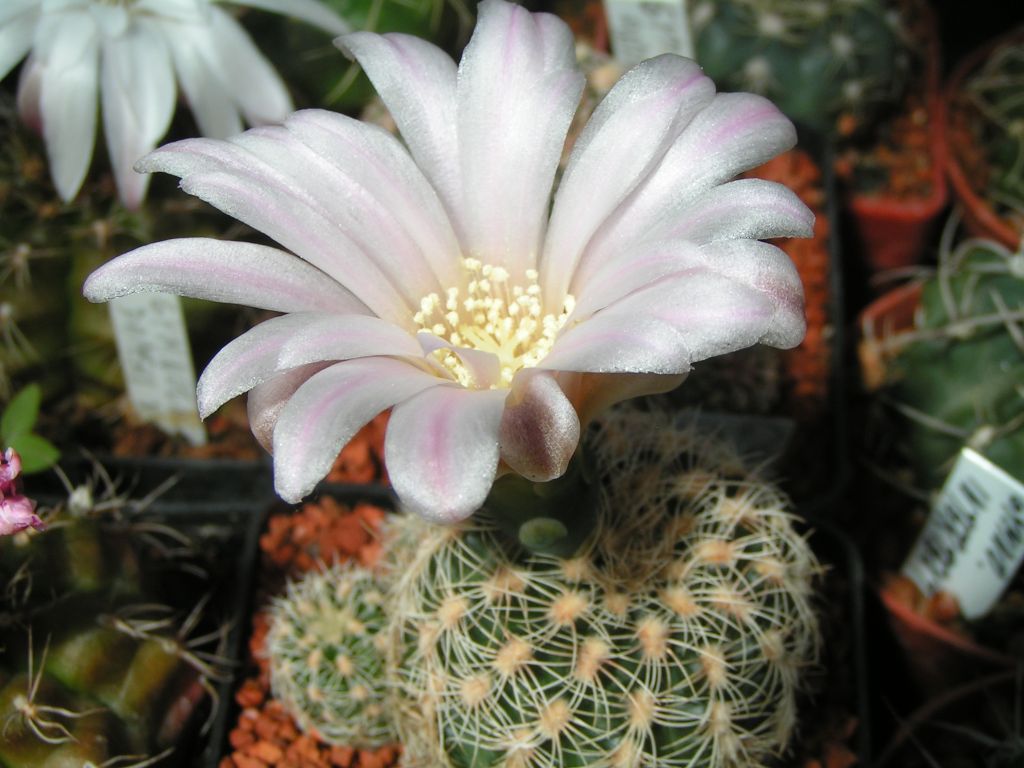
<point x="823" y="62"/>
<point x="326" y="651"/>
<point x="955" y="378"/>
<point x="676" y="635"/>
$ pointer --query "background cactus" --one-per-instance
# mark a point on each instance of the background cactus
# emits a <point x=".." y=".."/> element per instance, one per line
<point x="827" y="64"/>
<point x="954" y="379"/>
<point x="326" y="652"/>
<point x="675" y="636"/>
<point x="103" y="662"/>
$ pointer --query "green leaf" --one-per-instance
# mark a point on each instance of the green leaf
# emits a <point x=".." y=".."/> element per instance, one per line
<point x="37" y="453"/>
<point x="20" y="414"/>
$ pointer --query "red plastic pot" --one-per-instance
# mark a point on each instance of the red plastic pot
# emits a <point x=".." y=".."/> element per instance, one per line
<point x="894" y="231"/>
<point x="980" y="217"/>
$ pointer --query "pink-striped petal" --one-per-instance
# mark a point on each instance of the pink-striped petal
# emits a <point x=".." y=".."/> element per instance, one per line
<point x="593" y="393"/>
<point x="294" y="340"/>
<point x="540" y="429"/>
<point x="626" y="136"/>
<point x="416" y="80"/>
<point x="749" y="208"/>
<point x="237" y="182"/>
<point x="734" y="133"/>
<point x="484" y="368"/>
<point x="342" y="337"/>
<point x="265" y="401"/>
<point x="373" y="228"/>
<point x="229" y="272"/>
<point x="378" y="162"/>
<point x="327" y="411"/>
<point x="442" y="450"/>
<point x="517" y="93"/>
<point x="666" y="327"/>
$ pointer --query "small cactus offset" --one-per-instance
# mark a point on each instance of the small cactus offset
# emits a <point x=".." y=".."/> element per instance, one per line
<point x="955" y="377"/>
<point x="821" y="61"/>
<point x="326" y="652"/>
<point x="676" y="636"/>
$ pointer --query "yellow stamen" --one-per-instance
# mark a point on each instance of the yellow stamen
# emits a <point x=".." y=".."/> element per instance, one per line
<point x="506" y="320"/>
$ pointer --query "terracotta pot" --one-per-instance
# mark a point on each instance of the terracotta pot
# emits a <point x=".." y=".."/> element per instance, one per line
<point x="980" y="217"/>
<point x="938" y="657"/>
<point x="889" y="314"/>
<point x="894" y="231"/>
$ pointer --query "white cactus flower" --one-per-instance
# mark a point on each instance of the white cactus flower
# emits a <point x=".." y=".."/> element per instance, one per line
<point x="443" y="280"/>
<point x="129" y="55"/>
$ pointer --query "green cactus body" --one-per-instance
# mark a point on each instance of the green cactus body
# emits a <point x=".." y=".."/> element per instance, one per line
<point x="326" y="653"/>
<point x="674" y="637"/>
<point x="817" y="60"/>
<point x="958" y="374"/>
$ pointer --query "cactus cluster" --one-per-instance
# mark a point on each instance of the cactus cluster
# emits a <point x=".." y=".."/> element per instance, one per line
<point x="675" y="636"/>
<point x="955" y="378"/>
<point x="827" y="64"/>
<point x="99" y="667"/>
<point x="325" y="647"/>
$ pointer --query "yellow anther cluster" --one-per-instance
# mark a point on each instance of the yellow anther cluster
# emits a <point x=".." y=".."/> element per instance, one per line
<point x="493" y="316"/>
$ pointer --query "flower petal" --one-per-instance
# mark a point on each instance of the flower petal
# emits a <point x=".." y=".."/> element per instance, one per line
<point x="627" y="135"/>
<point x="377" y="161"/>
<point x="666" y="327"/>
<point x="266" y="400"/>
<point x="442" y="450"/>
<point x="592" y="393"/>
<point x="749" y="208"/>
<point x="735" y="132"/>
<point x="230" y="272"/>
<point x="69" y="77"/>
<point x="309" y="11"/>
<point x="416" y="80"/>
<point x="342" y="337"/>
<point x="139" y="94"/>
<point x="16" y="37"/>
<point x="539" y="427"/>
<point x="248" y="76"/>
<point x="752" y="262"/>
<point x="355" y="210"/>
<point x="518" y="89"/>
<point x="291" y="341"/>
<point x="327" y="411"/>
<point x="239" y="183"/>
<point x="215" y="111"/>
<point x="483" y="367"/>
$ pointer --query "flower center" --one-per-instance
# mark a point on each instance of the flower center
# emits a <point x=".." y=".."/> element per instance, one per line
<point x="492" y="315"/>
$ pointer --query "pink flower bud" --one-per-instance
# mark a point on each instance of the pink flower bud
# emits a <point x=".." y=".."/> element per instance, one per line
<point x="10" y="468"/>
<point x="18" y="513"/>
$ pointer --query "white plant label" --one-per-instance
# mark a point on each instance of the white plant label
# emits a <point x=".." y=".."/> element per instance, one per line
<point x="153" y="347"/>
<point x="973" y="541"/>
<point x="641" y="29"/>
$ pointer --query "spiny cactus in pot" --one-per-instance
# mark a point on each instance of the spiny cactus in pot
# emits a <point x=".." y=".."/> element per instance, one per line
<point x="496" y="316"/>
<point x="675" y="636"/>
<point x="953" y="378"/>
<point x="831" y="65"/>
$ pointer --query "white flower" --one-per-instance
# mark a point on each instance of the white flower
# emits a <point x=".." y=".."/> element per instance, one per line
<point x="130" y="52"/>
<point x="446" y="283"/>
